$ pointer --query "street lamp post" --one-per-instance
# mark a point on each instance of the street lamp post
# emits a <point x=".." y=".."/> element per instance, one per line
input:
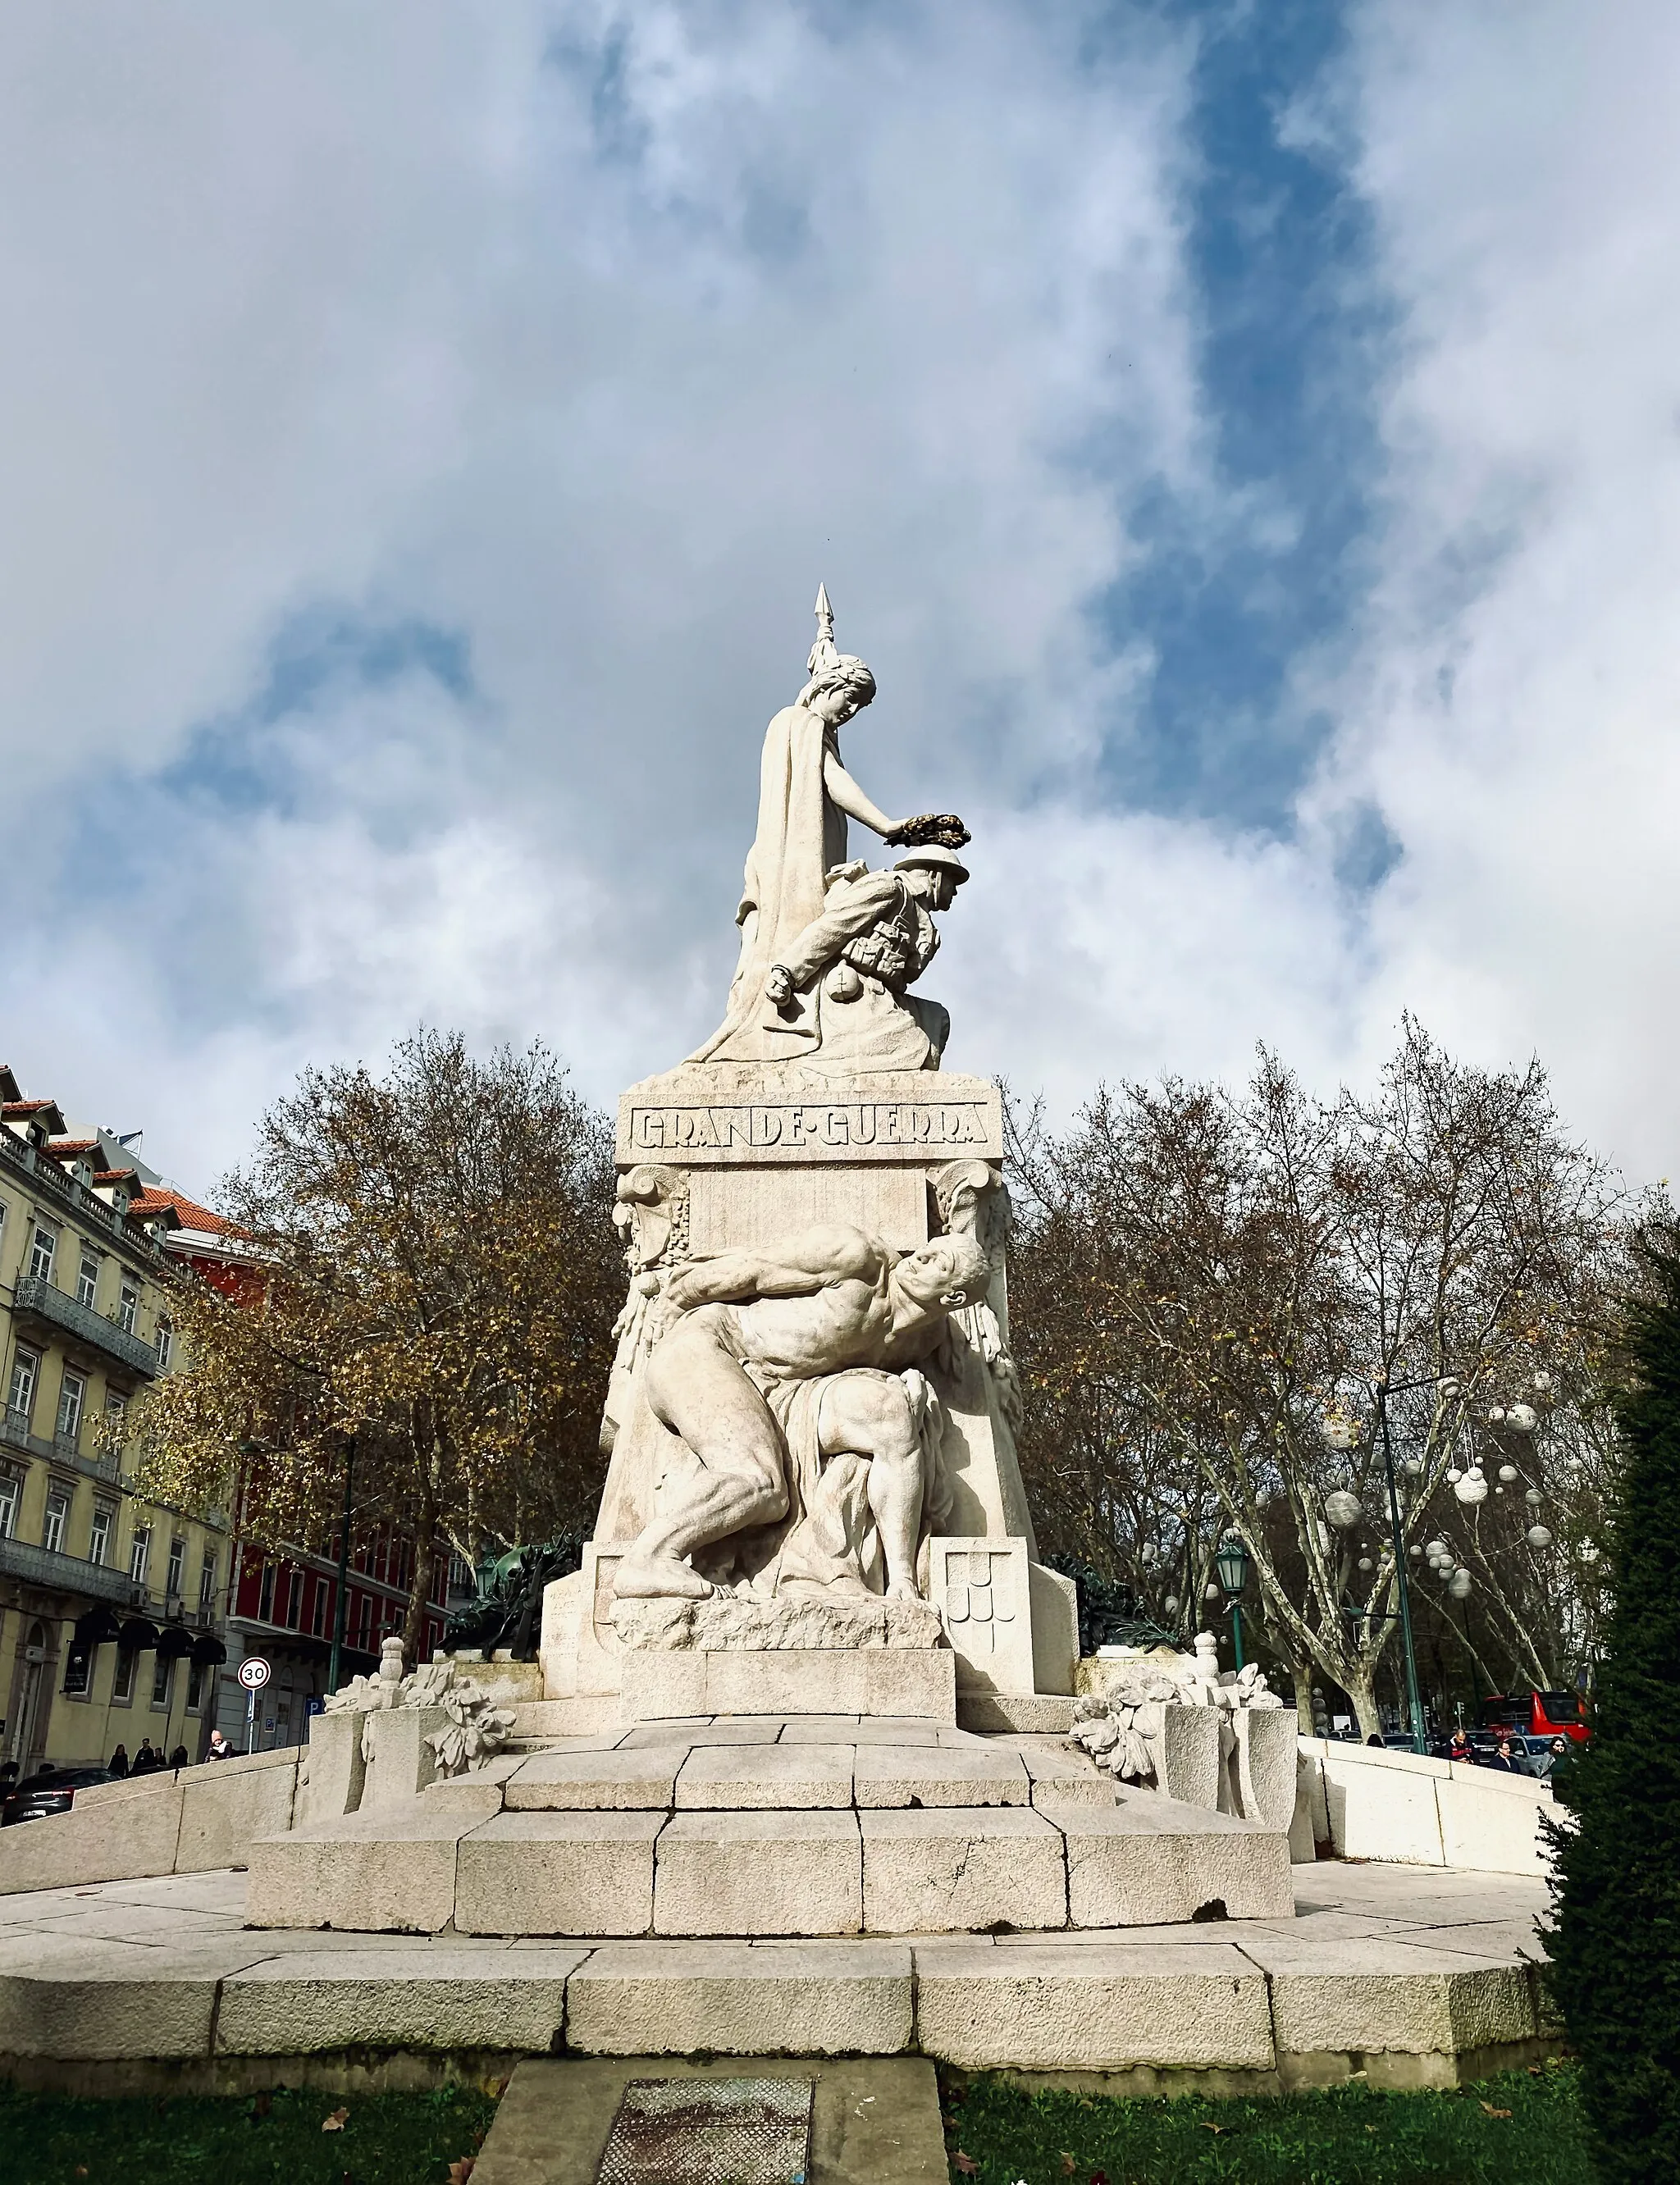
<point x="1230" y="1560"/>
<point x="340" y="1603"/>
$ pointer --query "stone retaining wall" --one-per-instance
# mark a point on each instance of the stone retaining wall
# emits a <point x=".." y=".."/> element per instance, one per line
<point x="1409" y="1808"/>
<point x="186" y="1820"/>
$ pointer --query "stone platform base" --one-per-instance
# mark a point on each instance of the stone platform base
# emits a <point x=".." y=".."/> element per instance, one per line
<point x="766" y="1826"/>
<point x="859" y="1680"/>
<point x="1411" y="1978"/>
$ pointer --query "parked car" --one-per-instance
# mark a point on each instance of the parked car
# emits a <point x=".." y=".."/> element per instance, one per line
<point x="52" y="1791"/>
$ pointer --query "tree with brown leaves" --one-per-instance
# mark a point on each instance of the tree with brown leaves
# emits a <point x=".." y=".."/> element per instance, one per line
<point x="439" y="1277"/>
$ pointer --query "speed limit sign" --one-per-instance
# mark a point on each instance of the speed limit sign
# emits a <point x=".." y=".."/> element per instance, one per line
<point x="254" y="1673"/>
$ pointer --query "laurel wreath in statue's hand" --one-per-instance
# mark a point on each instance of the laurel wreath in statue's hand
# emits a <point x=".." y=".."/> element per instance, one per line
<point x="944" y="828"/>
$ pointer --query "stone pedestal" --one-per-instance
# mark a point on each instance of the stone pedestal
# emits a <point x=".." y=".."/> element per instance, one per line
<point x="719" y="1157"/>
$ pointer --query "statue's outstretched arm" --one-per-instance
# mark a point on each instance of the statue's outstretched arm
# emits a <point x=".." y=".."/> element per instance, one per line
<point x="844" y="792"/>
<point x="825" y="1253"/>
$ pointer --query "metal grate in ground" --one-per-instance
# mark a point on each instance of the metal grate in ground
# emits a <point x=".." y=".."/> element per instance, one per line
<point x="714" y="2131"/>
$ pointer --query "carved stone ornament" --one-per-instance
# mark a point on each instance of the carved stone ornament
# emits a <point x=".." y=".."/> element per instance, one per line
<point x="729" y="1623"/>
<point x="475" y="1729"/>
<point x="1129" y="1730"/>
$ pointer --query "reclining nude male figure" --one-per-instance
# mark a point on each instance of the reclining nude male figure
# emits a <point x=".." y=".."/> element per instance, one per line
<point x="817" y="1304"/>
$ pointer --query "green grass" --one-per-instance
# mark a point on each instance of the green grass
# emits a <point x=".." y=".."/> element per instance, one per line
<point x="268" y="2139"/>
<point x="1345" y="2136"/>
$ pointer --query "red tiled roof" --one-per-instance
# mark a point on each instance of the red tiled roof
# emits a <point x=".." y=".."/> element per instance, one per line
<point x="25" y="1106"/>
<point x="112" y="1175"/>
<point x="193" y="1215"/>
<point x="64" y="1149"/>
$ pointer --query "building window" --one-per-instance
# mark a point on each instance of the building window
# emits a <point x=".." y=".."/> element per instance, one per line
<point x="10" y="1489"/>
<point x="87" y="1281"/>
<point x="322" y="1595"/>
<point x="41" y="1258"/>
<point x="99" y="1534"/>
<point x="72" y="1392"/>
<point x="266" y="1598"/>
<point x="207" y="1579"/>
<point x="165" y="1343"/>
<point x="139" y="1551"/>
<point x="128" y="1305"/>
<point x="163" y="1670"/>
<point x="25" y="1366"/>
<point x="122" y="1684"/>
<point x="195" y="1686"/>
<point x="295" y="1608"/>
<point x="178" y="1564"/>
<point x="367" y="1620"/>
<point x="53" y="1531"/>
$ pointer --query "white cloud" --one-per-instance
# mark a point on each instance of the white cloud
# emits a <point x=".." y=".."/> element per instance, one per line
<point x="1518" y="721"/>
<point x="592" y="337"/>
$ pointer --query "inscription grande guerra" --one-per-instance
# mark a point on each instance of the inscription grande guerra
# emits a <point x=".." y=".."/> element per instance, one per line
<point x="873" y="1130"/>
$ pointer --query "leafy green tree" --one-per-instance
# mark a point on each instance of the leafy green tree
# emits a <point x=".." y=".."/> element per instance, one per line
<point x="1615" y="1952"/>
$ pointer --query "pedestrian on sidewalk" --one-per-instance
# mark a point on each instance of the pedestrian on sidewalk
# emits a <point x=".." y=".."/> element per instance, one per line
<point x="147" y="1761"/>
<point x="119" y="1762"/>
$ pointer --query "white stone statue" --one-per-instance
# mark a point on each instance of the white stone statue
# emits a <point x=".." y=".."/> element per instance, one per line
<point x="809" y="1455"/>
<point x="805" y="797"/>
<point x="846" y="973"/>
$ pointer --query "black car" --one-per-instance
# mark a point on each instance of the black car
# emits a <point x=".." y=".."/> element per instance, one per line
<point x="52" y="1791"/>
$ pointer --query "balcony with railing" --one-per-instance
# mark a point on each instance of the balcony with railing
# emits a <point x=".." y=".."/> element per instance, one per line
<point x="18" y="1155"/>
<point x="35" y="1296"/>
<point x="62" y="1573"/>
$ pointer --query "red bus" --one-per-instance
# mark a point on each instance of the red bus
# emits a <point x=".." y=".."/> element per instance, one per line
<point x="1542" y="1714"/>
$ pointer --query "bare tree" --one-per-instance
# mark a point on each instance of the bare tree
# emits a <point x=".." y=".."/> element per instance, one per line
<point x="1221" y="1285"/>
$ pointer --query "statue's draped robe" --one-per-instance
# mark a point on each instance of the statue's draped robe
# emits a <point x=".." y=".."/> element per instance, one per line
<point x="801" y="834"/>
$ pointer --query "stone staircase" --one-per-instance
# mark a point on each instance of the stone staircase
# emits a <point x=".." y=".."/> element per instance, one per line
<point x="764" y="1826"/>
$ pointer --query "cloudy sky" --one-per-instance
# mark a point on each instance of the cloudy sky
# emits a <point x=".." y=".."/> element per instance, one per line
<point x="1243" y="438"/>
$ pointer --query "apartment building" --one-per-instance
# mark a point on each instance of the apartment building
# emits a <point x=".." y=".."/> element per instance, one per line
<point x="110" y="1605"/>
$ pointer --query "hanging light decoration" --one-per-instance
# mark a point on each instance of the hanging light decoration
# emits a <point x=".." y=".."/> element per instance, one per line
<point x="1539" y="1537"/>
<point x="1435" y="1550"/>
<point x="1508" y="1472"/>
<point x="1343" y="1509"/>
<point x="1414" y="1551"/>
<point x="1458" y="1586"/>
<point x="1453" y="1475"/>
<point x="1412" y="1467"/>
<point x="1472" y="1488"/>
<point x="1339" y="1429"/>
<point x="1365" y="1564"/>
<point x="1534" y="1498"/>
<point x="1522" y="1418"/>
<point x="1496" y="1415"/>
<point x="1171" y="1604"/>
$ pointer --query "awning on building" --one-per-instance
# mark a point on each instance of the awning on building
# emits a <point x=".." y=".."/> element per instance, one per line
<point x="98" y="1628"/>
<point x="174" y="1641"/>
<point x="137" y="1636"/>
<point x="208" y="1651"/>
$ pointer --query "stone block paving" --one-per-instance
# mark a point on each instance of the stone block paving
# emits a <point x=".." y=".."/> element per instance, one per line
<point x="1416" y="1976"/>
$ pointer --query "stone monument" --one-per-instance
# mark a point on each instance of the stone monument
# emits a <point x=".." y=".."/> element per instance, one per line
<point x="813" y="1500"/>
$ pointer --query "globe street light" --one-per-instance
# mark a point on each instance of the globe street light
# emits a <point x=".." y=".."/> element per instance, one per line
<point x="1230" y="1560"/>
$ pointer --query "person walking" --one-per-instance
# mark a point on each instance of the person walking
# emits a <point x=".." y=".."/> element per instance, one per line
<point x="146" y="1760"/>
<point x="1560" y="1755"/>
<point x="178" y="1758"/>
<point x="1459" y="1749"/>
<point x="119" y="1762"/>
<point x="1503" y="1758"/>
